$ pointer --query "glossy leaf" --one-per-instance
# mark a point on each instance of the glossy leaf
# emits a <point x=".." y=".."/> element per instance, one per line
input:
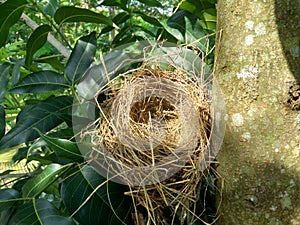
<point x="8" y="198"/>
<point x="44" y="116"/>
<point x="36" y="40"/>
<point x="153" y="3"/>
<point x="4" y="70"/>
<point x="39" y="212"/>
<point x="51" y="7"/>
<point x="81" y="57"/>
<point x="36" y="185"/>
<point x="79" y="187"/>
<point x="11" y="11"/>
<point x="63" y="148"/>
<point x="67" y="14"/>
<point x="40" y="82"/>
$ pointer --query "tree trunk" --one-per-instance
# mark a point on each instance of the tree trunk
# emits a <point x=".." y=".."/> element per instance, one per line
<point x="258" y="64"/>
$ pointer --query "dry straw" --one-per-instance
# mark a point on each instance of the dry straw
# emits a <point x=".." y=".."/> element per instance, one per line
<point x="152" y="132"/>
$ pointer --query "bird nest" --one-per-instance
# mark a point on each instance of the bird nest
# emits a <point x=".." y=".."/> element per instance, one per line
<point x="152" y="132"/>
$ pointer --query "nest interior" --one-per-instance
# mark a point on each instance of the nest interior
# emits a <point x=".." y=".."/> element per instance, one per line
<point x="156" y="118"/>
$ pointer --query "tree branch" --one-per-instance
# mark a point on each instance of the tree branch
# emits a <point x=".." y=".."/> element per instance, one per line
<point x="52" y="40"/>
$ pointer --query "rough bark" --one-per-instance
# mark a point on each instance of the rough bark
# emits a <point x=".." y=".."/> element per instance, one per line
<point x="257" y="64"/>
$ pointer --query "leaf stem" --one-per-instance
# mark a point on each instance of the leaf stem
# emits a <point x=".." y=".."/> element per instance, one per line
<point x="51" y="22"/>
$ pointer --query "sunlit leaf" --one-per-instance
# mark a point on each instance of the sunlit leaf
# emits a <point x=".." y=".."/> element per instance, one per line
<point x="81" y="57"/>
<point x="209" y="19"/>
<point x="44" y="116"/>
<point x="67" y="14"/>
<point x="39" y="212"/>
<point x="185" y="5"/>
<point x="36" y="40"/>
<point x="40" y="82"/>
<point x="36" y="185"/>
<point x="11" y="11"/>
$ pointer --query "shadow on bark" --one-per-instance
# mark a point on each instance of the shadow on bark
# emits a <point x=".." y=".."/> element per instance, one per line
<point x="272" y="191"/>
<point x="288" y="23"/>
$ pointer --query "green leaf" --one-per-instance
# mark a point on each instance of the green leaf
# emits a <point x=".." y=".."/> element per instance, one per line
<point x="178" y="21"/>
<point x="187" y="29"/>
<point x="122" y="33"/>
<point x="15" y="76"/>
<point x="108" y="199"/>
<point x="39" y="212"/>
<point x="40" y="82"/>
<point x="111" y="2"/>
<point x="81" y="57"/>
<point x="67" y="14"/>
<point x="20" y="154"/>
<point x="11" y="11"/>
<point x="63" y="148"/>
<point x="2" y="121"/>
<point x="51" y="7"/>
<point x="44" y="116"/>
<point x="52" y="61"/>
<point x="185" y="5"/>
<point x="36" y="40"/>
<point x="209" y="19"/>
<point x="96" y="78"/>
<point x="8" y="198"/>
<point x="153" y="3"/>
<point x="149" y="19"/>
<point x="66" y="133"/>
<point x="4" y="70"/>
<point x="121" y="18"/>
<point x="36" y="185"/>
<point x="6" y="215"/>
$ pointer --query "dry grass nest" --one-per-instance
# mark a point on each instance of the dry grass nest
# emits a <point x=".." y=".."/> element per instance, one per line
<point x="156" y="118"/>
